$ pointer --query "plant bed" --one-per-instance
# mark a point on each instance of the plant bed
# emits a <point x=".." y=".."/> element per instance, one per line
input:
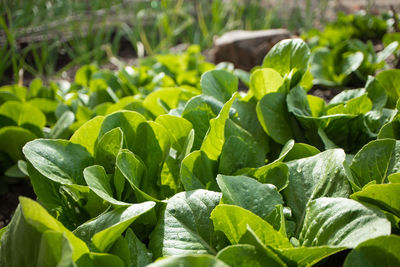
<point x="190" y="172"/>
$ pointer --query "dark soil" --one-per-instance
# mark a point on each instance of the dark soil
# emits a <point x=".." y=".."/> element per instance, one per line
<point x="9" y="200"/>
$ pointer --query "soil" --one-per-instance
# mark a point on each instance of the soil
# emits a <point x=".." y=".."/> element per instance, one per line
<point x="9" y="201"/>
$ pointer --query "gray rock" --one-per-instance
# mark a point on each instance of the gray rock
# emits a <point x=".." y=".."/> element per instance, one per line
<point x="246" y="49"/>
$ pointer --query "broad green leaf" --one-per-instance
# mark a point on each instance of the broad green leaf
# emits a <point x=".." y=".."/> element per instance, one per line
<point x="84" y="75"/>
<point x="276" y="173"/>
<point x="161" y="101"/>
<point x="307" y="256"/>
<point x="297" y="151"/>
<point x="55" y="250"/>
<point x="152" y="145"/>
<point x="390" y="81"/>
<point x="139" y="254"/>
<point x="390" y="130"/>
<point x="249" y="194"/>
<point x="233" y="222"/>
<point x="376" y="93"/>
<point x="87" y="134"/>
<point x="189" y="260"/>
<point x="215" y="138"/>
<point x="47" y="106"/>
<point x="384" y="196"/>
<point x="315" y="177"/>
<point x="128" y="121"/>
<point x="24" y="115"/>
<point x="12" y="139"/>
<point x="107" y="149"/>
<point x="185" y="226"/>
<point x="245" y="255"/>
<point x="94" y="259"/>
<point x="134" y="171"/>
<point x="178" y="128"/>
<point x="238" y="153"/>
<point x="251" y="238"/>
<point x="98" y="181"/>
<point x="26" y="230"/>
<point x="394" y="178"/>
<point x="197" y="171"/>
<point x="12" y="93"/>
<point x="375" y="161"/>
<point x="60" y="129"/>
<point x="199" y="110"/>
<point x="220" y="84"/>
<point x="317" y="105"/>
<point x="274" y="117"/>
<point x="341" y="222"/>
<point x="101" y="232"/>
<point x="58" y="160"/>
<point x="355" y="106"/>
<point x="264" y="81"/>
<point x="380" y="251"/>
<point x="288" y="55"/>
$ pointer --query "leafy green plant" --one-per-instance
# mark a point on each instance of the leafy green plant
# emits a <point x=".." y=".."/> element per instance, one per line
<point x="203" y="175"/>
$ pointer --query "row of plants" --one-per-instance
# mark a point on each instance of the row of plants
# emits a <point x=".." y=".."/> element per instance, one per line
<point x="176" y="169"/>
<point x="344" y="53"/>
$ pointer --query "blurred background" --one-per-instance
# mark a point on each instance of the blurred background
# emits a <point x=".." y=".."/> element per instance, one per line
<point x="51" y="38"/>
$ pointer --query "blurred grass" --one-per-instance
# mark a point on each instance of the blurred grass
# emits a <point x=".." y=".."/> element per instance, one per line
<point x="46" y="36"/>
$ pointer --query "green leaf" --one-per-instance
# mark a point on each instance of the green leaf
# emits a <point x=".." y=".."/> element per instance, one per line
<point x="288" y="55"/>
<point x="199" y="110"/>
<point x="58" y="160"/>
<point x="152" y="145"/>
<point x="233" y="222"/>
<point x="55" y="250"/>
<point x="185" y="226"/>
<point x="245" y="255"/>
<point x="24" y="114"/>
<point x="93" y="259"/>
<point x="12" y="139"/>
<point x="314" y="177"/>
<point x="238" y="153"/>
<point x="60" y="129"/>
<point x="178" y="128"/>
<point x="189" y="260"/>
<point x="390" y="81"/>
<point x="84" y="75"/>
<point x="341" y="222"/>
<point x="384" y="196"/>
<point x="394" y="178"/>
<point x="162" y="100"/>
<point x="128" y="121"/>
<point x="139" y="254"/>
<point x="276" y="173"/>
<point x="198" y="172"/>
<point x="380" y="251"/>
<point x="375" y="161"/>
<point x="249" y="194"/>
<point x="264" y="81"/>
<point x="98" y="181"/>
<point x="101" y="232"/>
<point x="87" y="134"/>
<point x="307" y="256"/>
<point x="134" y="171"/>
<point x="215" y="138"/>
<point x="108" y="147"/>
<point x="274" y="117"/>
<point x="26" y="230"/>
<point x="220" y="84"/>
